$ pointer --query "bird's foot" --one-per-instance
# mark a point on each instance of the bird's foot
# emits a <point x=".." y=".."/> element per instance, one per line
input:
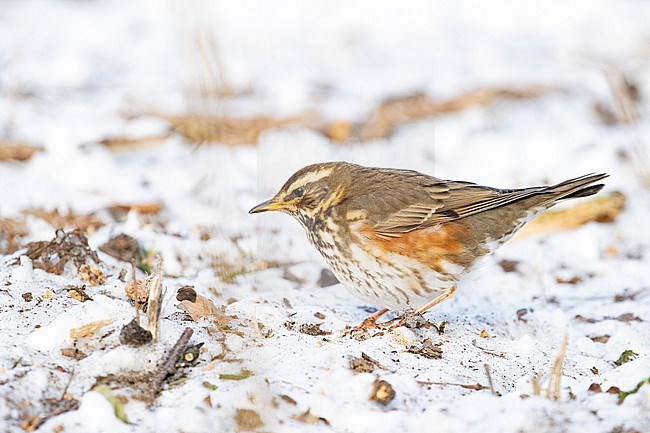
<point x="371" y="321"/>
<point x="410" y="319"/>
<point x="360" y="332"/>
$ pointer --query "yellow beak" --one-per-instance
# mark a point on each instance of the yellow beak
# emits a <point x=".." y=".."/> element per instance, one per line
<point x="267" y="206"/>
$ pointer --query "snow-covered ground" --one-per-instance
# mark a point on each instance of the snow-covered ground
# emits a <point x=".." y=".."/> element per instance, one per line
<point x="70" y="70"/>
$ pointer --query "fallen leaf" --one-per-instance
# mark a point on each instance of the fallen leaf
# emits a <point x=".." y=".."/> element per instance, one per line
<point x="91" y="274"/>
<point x="209" y="386"/>
<point x="288" y="399"/>
<point x="73" y="352"/>
<point x="47" y="294"/>
<point x="308" y="418"/>
<point x="245" y="374"/>
<point x="626" y="356"/>
<point x="132" y="334"/>
<point x="123" y="144"/>
<point x="89" y="329"/>
<point x="114" y="400"/>
<point x="628" y="317"/>
<point x="509" y="265"/>
<point x="572" y="280"/>
<point x="595" y="387"/>
<point x="248" y="419"/>
<point x="123" y="247"/>
<point x="16" y="151"/>
<point x="142" y="291"/>
<point x="31" y="422"/>
<point x="202" y="307"/>
<point x="361" y="365"/>
<point x="78" y="293"/>
<point x="484" y="334"/>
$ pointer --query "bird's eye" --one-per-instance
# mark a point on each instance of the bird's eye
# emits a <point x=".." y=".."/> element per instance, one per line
<point x="298" y="192"/>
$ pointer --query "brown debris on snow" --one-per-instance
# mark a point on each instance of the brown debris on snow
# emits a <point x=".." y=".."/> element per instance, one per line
<point x="361" y="365"/>
<point x="52" y="256"/>
<point x="382" y="392"/>
<point x="11" y="233"/>
<point x="404" y="109"/>
<point x="92" y="275"/>
<point x="89" y="329"/>
<point x="427" y="349"/>
<point x="122" y="247"/>
<point x="132" y="334"/>
<point x="309" y="418"/>
<point x="198" y="306"/>
<point x="125" y="144"/>
<point x="88" y="223"/>
<point x="140" y="286"/>
<point x="16" y="150"/>
<point x="248" y="419"/>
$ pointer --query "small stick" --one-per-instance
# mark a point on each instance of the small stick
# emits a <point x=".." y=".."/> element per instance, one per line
<point x="537" y="389"/>
<point x="373" y="361"/>
<point x="475" y="387"/>
<point x="67" y="385"/>
<point x="256" y="329"/>
<point x="137" y="295"/>
<point x="169" y="364"/>
<point x="489" y="377"/>
<point x="488" y="351"/>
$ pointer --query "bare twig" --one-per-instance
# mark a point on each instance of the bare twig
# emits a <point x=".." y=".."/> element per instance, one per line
<point x="136" y="294"/>
<point x="475" y="387"/>
<point x="67" y="385"/>
<point x="373" y="361"/>
<point x="169" y="364"/>
<point x="489" y="377"/>
<point x="156" y="293"/>
<point x="488" y="351"/>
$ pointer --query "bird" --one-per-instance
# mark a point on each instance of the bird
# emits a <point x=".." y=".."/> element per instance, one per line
<point x="403" y="240"/>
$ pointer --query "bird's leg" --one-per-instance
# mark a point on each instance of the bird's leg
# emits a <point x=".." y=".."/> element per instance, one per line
<point x="392" y="324"/>
<point x="438" y="299"/>
<point x="371" y="321"/>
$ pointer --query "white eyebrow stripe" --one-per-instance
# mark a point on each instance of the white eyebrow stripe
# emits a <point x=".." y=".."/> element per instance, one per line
<point x="312" y="176"/>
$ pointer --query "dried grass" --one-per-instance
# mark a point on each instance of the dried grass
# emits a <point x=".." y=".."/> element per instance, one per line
<point x="16" y="150"/>
<point x="401" y="110"/>
<point x="626" y="96"/>
<point x="70" y="220"/>
<point x="601" y="209"/>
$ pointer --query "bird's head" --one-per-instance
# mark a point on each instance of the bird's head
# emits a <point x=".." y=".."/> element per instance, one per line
<point x="310" y="191"/>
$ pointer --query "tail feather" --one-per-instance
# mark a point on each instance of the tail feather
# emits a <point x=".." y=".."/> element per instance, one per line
<point x="576" y="188"/>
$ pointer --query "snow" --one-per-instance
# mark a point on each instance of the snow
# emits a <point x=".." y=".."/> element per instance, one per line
<point x="69" y="71"/>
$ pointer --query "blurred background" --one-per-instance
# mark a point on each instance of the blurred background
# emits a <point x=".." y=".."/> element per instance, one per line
<point x="199" y="109"/>
<point x="167" y="120"/>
